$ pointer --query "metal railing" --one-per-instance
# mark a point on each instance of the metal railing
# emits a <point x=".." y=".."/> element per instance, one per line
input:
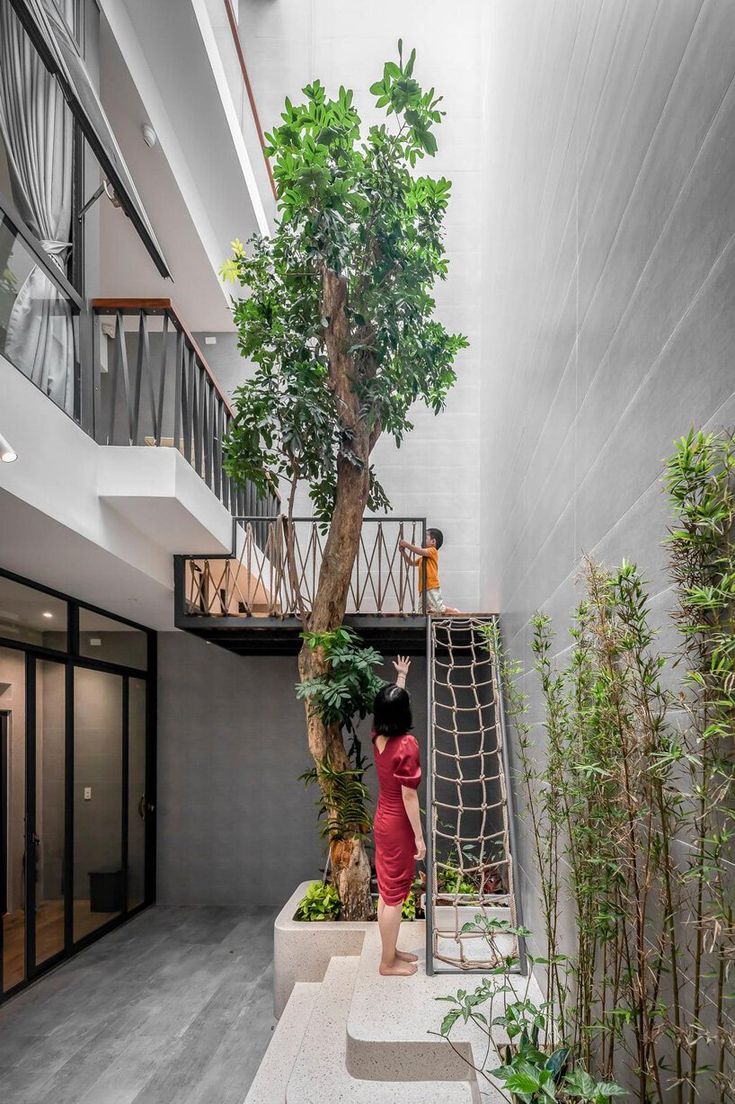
<point x="261" y="580"/>
<point x="155" y="388"/>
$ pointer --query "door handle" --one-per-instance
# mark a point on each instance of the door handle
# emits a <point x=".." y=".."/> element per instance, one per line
<point x="145" y="807"/>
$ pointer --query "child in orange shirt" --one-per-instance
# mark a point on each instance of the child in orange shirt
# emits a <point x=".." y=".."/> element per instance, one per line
<point x="429" y="556"/>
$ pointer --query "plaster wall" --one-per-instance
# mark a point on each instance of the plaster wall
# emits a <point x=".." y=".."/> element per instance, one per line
<point x="235" y="825"/>
<point x="608" y="270"/>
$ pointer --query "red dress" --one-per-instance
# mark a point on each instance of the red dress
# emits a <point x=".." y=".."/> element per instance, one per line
<point x="395" y="845"/>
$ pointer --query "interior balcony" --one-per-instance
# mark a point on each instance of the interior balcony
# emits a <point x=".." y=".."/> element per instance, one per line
<point x="252" y="600"/>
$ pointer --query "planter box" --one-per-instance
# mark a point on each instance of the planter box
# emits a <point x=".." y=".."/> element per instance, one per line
<point x="302" y="949"/>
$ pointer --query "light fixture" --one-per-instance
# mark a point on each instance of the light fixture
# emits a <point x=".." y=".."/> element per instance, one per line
<point x="7" y="452"/>
<point x="149" y="135"/>
<point x="46" y="613"/>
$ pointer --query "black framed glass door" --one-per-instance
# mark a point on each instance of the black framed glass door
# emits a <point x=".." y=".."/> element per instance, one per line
<point x="77" y="777"/>
<point x="47" y="819"/>
<point x="13" y="861"/>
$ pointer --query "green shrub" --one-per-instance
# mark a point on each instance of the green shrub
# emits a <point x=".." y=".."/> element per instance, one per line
<point x="320" y="902"/>
<point x="408" y="908"/>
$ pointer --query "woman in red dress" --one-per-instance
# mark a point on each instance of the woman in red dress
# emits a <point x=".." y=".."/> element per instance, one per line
<point x="399" y="838"/>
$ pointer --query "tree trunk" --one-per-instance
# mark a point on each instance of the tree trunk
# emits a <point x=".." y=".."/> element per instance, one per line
<point x="350" y="864"/>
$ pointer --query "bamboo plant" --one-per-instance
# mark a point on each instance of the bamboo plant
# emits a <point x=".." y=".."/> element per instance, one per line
<point x="630" y="802"/>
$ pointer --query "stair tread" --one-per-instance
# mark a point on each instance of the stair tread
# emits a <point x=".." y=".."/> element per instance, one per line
<point x="320" y="1072"/>
<point x="269" y="1084"/>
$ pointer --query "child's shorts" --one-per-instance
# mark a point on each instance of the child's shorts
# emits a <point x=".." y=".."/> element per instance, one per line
<point x="434" y="601"/>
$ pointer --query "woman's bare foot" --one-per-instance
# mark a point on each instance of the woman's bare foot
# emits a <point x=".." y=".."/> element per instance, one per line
<point x="406" y="956"/>
<point x="397" y="968"/>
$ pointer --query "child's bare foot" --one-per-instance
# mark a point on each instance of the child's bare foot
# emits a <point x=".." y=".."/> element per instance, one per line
<point x="406" y="956"/>
<point x="397" y="968"/>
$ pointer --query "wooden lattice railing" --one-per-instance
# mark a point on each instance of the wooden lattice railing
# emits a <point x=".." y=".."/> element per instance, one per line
<point x="259" y="581"/>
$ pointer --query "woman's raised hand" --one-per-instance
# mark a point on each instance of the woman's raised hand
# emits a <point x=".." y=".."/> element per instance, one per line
<point x="402" y="665"/>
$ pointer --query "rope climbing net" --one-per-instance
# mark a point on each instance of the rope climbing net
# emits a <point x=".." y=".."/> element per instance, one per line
<point x="470" y="889"/>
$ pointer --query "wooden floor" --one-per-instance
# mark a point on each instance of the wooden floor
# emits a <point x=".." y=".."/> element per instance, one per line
<point x="49" y="934"/>
<point x="175" y="1007"/>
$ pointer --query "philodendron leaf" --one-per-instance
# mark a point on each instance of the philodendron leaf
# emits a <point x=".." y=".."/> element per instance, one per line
<point x="557" y="1061"/>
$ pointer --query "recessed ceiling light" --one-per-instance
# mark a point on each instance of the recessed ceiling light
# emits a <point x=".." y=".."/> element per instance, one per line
<point x="47" y="614"/>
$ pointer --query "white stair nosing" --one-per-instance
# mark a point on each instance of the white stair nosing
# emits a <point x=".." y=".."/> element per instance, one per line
<point x="269" y="1083"/>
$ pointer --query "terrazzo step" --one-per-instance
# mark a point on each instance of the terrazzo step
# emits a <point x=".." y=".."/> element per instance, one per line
<point x="321" y="1072"/>
<point x="390" y="1019"/>
<point x="269" y="1085"/>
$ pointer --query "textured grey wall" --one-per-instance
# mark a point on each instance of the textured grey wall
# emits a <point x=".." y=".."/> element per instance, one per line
<point x="608" y="282"/>
<point x="235" y="825"/>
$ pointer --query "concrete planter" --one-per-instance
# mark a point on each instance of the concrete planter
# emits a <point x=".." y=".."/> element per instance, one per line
<point x="302" y="949"/>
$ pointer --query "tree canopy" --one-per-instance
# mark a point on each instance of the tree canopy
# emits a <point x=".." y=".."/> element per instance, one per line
<point x="338" y="312"/>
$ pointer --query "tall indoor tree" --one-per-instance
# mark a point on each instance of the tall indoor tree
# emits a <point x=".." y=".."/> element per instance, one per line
<point x="338" y="320"/>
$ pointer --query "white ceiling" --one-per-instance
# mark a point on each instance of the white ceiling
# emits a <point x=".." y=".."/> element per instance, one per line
<point x="126" y="269"/>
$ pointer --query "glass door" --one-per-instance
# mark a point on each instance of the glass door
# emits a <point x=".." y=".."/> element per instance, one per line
<point x="49" y="809"/>
<point x="13" y="887"/>
<point x="98" y="883"/>
<point x="77" y="776"/>
<point x="138" y="808"/>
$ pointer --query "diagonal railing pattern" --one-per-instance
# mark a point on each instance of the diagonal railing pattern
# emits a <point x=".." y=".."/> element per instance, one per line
<point x="259" y="581"/>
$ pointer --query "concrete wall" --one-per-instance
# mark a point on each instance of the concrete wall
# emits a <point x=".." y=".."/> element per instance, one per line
<point x="608" y="278"/>
<point x="235" y="826"/>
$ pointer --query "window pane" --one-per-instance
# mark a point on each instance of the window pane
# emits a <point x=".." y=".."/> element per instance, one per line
<point x="104" y="638"/>
<point x="50" y="807"/>
<point x="98" y="875"/>
<point x="136" y="793"/>
<point x="12" y="814"/>
<point x="31" y="616"/>
<point x="38" y="327"/>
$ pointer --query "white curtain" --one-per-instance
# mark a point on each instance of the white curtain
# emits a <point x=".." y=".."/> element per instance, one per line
<point x="37" y="129"/>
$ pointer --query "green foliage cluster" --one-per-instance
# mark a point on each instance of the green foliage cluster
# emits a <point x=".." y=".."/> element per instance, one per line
<point x="343" y="801"/>
<point x="320" y="902"/>
<point x="343" y="696"/>
<point x="349" y="205"/>
<point x="534" y="1070"/>
<point x="630" y="803"/>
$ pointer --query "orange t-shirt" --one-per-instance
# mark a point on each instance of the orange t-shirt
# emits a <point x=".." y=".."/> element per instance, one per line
<point x="431" y="559"/>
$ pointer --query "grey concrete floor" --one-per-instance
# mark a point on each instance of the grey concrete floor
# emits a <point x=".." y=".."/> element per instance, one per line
<point x="175" y="1006"/>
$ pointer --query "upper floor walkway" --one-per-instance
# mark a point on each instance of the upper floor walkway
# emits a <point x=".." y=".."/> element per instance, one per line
<point x="254" y="600"/>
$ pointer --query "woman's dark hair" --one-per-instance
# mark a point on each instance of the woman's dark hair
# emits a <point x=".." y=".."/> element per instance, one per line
<point x="392" y="712"/>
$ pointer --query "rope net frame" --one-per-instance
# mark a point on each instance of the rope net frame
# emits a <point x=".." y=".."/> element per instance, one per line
<point x="471" y="871"/>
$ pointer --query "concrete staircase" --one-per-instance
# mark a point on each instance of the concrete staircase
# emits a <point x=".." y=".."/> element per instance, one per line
<point x="360" y="1038"/>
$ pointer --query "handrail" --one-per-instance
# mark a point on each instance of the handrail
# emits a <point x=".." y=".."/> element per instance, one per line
<point x="153" y="387"/>
<point x="274" y="571"/>
<point x="161" y="306"/>
<point x="232" y="20"/>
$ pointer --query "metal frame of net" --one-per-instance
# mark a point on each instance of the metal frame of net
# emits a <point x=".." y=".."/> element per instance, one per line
<point x="469" y="855"/>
